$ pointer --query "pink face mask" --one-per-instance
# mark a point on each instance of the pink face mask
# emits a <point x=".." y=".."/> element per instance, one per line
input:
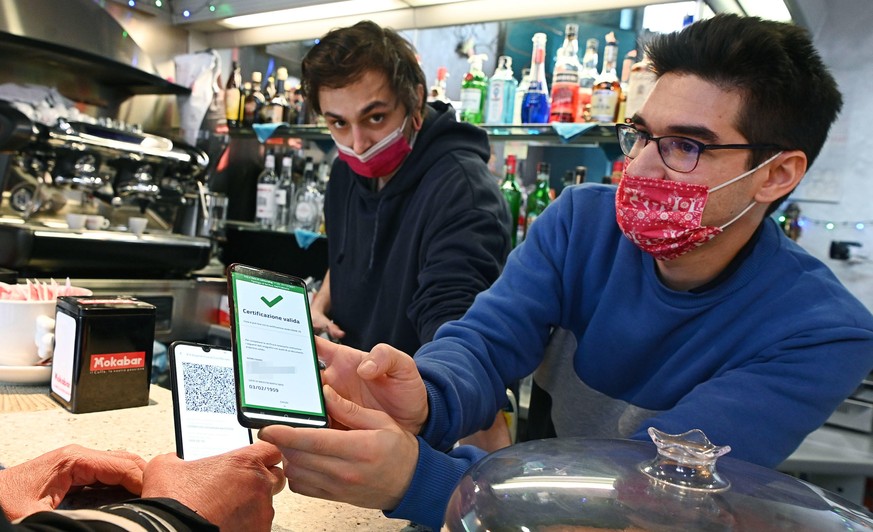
<point x="381" y="158"/>
<point x="663" y="217"/>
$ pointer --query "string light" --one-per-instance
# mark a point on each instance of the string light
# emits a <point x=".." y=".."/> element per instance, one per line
<point x="209" y="5"/>
<point x="793" y="222"/>
<point x="830" y="225"/>
<point x="187" y="13"/>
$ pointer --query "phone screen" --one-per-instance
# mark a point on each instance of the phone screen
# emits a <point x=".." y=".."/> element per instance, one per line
<point x="204" y="406"/>
<point x="277" y="374"/>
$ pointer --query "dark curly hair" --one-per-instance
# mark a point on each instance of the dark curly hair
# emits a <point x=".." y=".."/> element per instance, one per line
<point x="343" y="55"/>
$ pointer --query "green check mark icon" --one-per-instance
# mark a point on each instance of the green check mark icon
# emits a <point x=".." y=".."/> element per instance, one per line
<point x="270" y="303"/>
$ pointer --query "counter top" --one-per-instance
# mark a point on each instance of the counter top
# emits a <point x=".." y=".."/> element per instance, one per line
<point x="28" y="415"/>
<point x="39" y="427"/>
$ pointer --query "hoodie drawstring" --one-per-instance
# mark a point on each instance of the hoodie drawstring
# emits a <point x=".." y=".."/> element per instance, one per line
<point x="375" y="235"/>
<point x="342" y="251"/>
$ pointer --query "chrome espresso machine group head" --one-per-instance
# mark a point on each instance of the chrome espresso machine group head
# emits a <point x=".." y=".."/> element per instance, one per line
<point x="106" y="169"/>
<point x="109" y="161"/>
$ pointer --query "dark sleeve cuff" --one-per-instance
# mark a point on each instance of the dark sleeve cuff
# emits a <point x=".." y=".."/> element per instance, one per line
<point x="179" y="516"/>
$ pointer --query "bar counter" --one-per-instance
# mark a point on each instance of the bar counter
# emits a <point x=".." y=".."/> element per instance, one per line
<point x="32" y="424"/>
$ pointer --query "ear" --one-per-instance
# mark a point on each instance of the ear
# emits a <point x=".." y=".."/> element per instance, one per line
<point x="784" y="174"/>
<point x="417" y="117"/>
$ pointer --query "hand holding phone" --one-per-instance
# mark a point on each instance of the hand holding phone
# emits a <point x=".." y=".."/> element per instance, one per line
<point x="276" y="373"/>
<point x="204" y="406"/>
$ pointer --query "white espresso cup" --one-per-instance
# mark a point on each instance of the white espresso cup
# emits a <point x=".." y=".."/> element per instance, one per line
<point x="95" y="221"/>
<point x="23" y="331"/>
<point x="76" y="220"/>
<point x="137" y="225"/>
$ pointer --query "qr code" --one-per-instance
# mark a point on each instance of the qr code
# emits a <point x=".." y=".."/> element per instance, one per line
<point x="208" y="388"/>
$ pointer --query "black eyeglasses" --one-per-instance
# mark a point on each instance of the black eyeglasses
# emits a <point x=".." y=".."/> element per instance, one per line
<point x="678" y="153"/>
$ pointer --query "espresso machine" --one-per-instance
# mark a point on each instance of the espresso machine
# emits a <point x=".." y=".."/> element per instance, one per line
<point x="65" y="152"/>
<point x="110" y="170"/>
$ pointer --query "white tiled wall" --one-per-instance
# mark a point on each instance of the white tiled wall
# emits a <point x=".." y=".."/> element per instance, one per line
<point x="839" y="186"/>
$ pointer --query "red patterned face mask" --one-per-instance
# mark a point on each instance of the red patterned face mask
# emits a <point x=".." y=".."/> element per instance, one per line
<point x="663" y="217"/>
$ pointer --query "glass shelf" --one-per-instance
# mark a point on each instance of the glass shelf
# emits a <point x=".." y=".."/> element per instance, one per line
<point x="601" y="133"/>
<point x="598" y="134"/>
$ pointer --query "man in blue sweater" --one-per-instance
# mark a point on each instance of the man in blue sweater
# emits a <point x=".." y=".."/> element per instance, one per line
<point x="672" y="302"/>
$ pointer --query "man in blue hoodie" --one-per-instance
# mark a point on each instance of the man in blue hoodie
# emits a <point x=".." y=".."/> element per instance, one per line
<point x="674" y="301"/>
<point x="415" y="221"/>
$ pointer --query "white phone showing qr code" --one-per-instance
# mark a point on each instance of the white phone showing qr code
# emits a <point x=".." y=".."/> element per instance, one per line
<point x="204" y="403"/>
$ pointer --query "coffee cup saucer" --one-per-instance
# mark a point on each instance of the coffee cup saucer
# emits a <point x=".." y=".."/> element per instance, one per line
<point x="25" y="374"/>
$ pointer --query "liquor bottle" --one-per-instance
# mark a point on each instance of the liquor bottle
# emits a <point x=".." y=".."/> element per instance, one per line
<point x="523" y="85"/>
<point x="473" y="91"/>
<point x="437" y="91"/>
<point x="640" y="82"/>
<point x="607" y="89"/>
<point x="539" y="198"/>
<point x="535" y="107"/>
<point x="270" y="89"/>
<point x="268" y="109"/>
<point x="233" y="98"/>
<point x="303" y="115"/>
<point x="617" y="171"/>
<point x="256" y="100"/>
<point x="309" y="201"/>
<point x="285" y="195"/>
<point x="248" y="104"/>
<point x="321" y="185"/>
<point x="568" y="181"/>
<point x="565" y="79"/>
<point x="290" y="114"/>
<point x="501" y="93"/>
<point x="265" y="198"/>
<point x="274" y="109"/>
<point x="512" y="193"/>
<point x="587" y="76"/>
<point x="580" y="174"/>
<point x="626" y="65"/>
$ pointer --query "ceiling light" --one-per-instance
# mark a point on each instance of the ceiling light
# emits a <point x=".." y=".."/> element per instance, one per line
<point x="767" y="9"/>
<point x="419" y="3"/>
<point x="315" y="12"/>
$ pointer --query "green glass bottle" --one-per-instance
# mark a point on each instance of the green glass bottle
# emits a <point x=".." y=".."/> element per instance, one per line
<point x="539" y="198"/>
<point x="474" y="90"/>
<point x="512" y="193"/>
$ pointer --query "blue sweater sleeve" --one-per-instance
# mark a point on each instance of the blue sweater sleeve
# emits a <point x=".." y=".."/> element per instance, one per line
<point x="435" y="478"/>
<point x="502" y="337"/>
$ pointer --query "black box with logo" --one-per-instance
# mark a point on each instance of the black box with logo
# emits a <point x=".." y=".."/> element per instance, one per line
<point x="103" y="353"/>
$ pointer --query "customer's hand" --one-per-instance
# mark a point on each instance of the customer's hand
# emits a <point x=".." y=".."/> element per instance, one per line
<point x="371" y="465"/>
<point x="42" y="483"/>
<point x="233" y="490"/>
<point x="384" y="379"/>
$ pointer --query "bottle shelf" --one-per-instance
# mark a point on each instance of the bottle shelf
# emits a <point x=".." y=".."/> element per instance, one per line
<point x="563" y="133"/>
<point x="595" y="135"/>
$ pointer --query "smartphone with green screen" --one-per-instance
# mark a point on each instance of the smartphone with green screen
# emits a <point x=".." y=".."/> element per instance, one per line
<point x="276" y="370"/>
